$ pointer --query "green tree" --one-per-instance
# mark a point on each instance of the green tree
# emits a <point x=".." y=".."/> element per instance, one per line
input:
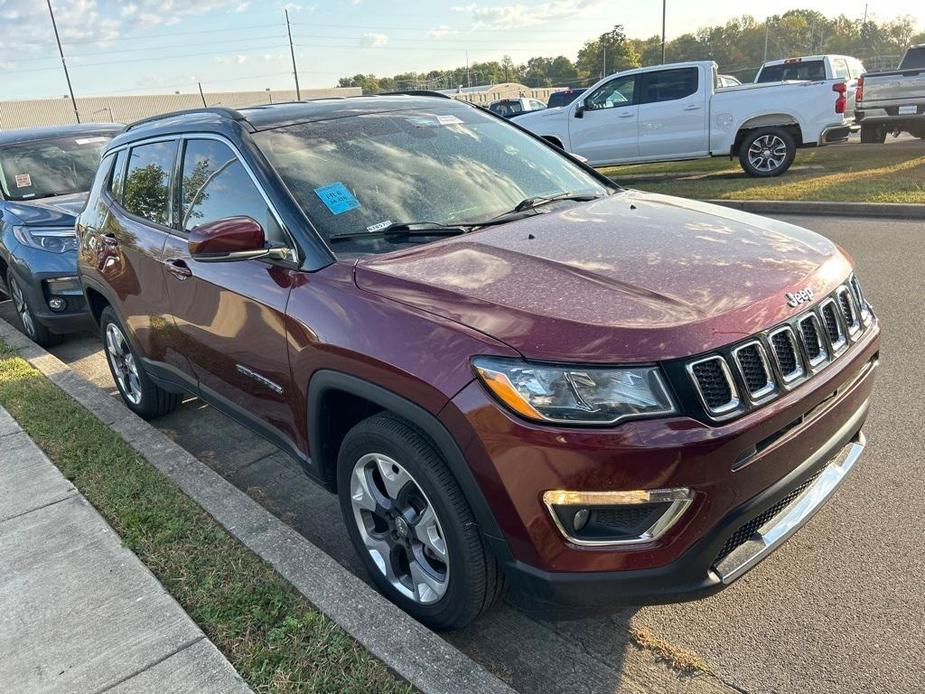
<point x="612" y="47"/>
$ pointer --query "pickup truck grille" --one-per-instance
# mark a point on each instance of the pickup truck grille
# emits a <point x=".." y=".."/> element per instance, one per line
<point x="772" y="362"/>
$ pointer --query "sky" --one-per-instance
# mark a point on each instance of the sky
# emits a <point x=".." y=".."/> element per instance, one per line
<point x="162" y="46"/>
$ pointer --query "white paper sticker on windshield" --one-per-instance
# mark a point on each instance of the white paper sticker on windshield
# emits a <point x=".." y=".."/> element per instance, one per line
<point x="23" y="181"/>
<point x="449" y="120"/>
<point x="89" y="140"/>
<point x="380" y="226"/>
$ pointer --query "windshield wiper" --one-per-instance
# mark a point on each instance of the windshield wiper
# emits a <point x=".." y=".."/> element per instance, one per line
<point x="401" y="229"/>
<point x="533" y="203"/>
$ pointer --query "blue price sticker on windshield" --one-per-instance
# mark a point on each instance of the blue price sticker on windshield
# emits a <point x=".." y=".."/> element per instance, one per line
<point x="337" y="198"/>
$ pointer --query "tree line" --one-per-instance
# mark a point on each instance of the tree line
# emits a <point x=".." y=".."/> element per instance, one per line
<point x="739" y="47"/>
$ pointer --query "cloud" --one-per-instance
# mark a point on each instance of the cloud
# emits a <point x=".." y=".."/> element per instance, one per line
<point x="440" y="31"/>
<point x="519" y="15"/>
<point x="374" y="40"/>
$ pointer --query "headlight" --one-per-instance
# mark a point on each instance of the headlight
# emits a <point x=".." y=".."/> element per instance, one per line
<point x="53" y="239"/>
<point x="575" y="394"/>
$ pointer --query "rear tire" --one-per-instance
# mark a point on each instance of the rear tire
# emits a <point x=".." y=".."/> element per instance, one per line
<point x="411" y="525"/>
<point x="28" y="323"/>
<point x="873" y="134"/>
<point x="139" y="393"/>
<point x="767" y="152"/>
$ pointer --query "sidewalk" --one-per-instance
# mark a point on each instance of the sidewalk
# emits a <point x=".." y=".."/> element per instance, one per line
<point x="79" y="612"/>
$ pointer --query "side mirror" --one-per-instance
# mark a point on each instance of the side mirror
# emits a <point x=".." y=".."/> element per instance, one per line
<point x="232" y="238"/>
<point x="580" y="108"/>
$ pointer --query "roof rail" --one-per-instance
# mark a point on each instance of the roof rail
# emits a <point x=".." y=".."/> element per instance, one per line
<point x="217" y="110"/>
<point x="416" y="92"/>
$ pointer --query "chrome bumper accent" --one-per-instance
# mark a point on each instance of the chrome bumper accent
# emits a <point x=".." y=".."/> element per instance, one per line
<point x="777" y="530"/>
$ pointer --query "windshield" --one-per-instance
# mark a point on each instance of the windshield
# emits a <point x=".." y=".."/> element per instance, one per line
<point x="58" y="166"/>
<point x="805" y="70"/>
<point x="444" y="166"/>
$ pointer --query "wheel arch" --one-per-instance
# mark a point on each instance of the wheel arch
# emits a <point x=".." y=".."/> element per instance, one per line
<point x="331" y="393"/>
<point x="553" y="140"/>
<point x="785" y="121"/>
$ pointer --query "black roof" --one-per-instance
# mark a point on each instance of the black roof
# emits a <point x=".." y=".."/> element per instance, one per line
<point x="268" y="116"/>
<point x="8" y="137"/>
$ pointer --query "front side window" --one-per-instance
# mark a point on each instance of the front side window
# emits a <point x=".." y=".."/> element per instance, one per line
<point x="215" y="185"/>
<point x="146" y="191"/>
<point x="616" y="93"/>
<point x="447" y="165"/>
<point x="45" y="168"/>
<point x="668" y="85"/>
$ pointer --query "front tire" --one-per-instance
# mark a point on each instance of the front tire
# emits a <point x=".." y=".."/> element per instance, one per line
<point x="139" y="393"/>
<point x="767" y="152"/>
<point x="28" y="323"/>
<point x="411" y="525"/>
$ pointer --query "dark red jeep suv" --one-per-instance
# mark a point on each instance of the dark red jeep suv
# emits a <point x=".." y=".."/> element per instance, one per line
<point x="512" y="371"/>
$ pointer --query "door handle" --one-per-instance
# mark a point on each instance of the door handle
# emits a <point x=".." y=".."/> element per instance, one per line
<point x="692" y="107"/>
<point x="626" y="115"/>
<point x="178" y="268"/>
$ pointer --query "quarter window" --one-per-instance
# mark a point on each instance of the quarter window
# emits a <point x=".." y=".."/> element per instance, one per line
<point x="616" y="93"/>
<point x="216" y="185"/>
<point x="146" y="192"/>
<point x="117" y="182"/>
<point x="668" y="85"/>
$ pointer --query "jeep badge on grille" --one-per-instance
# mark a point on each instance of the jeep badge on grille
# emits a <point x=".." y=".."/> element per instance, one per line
<point x="800" y="297"/>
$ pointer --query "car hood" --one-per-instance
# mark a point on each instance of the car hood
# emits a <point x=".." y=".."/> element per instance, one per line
<point x="632" y="277"/>
<point x="60" y="210"/>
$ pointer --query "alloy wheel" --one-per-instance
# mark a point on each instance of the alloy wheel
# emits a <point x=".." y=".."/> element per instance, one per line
<point x="400" y="528"/>
<point x="22" y="308"/>
<point x="123" y="364"/>
<point x="767" y="153"/>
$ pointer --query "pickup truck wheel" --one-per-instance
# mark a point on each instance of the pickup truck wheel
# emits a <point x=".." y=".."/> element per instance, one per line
<point x="139" y="393"/>
<point x="873" y="134"/>
<point x="411" y="524"/>
<point x="767" y="152"/>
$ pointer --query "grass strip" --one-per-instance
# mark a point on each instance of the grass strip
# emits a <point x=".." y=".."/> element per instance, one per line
<point x="856" y="173"/>
<point x="270" y="633"/>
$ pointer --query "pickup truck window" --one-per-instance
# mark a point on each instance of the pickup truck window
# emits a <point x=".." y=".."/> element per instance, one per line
<point x="857" y="68"/>
<point x="914" y="59"/>
<point x="668" y="85"/>
<point x="840" y="67"/>
<point x="805" y="70"/>
<point x="616" y="93"/>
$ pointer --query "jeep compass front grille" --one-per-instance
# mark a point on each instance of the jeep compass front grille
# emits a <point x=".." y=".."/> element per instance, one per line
<point x="769" y="363"/>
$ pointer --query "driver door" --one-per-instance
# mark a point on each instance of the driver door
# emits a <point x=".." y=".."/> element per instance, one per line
<point x="229" y="317"/>
<point x="604" y="126"/>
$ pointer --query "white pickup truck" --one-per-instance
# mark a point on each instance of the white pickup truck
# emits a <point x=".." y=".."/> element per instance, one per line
<point x="677" y="111"/>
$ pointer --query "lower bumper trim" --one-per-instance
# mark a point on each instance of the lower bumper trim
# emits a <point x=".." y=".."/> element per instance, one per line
<point x="778" y="529"/>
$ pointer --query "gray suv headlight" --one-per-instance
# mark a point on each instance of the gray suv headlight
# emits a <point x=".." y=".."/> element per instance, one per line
<point x="575" y="394"/>
<point x="52" y="239"/>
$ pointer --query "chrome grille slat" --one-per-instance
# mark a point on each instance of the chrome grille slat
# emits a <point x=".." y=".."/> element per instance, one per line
<point x="779" y="359"/>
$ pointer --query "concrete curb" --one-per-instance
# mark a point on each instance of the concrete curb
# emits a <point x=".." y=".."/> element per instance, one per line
<point x="407" y="647"/>
<point x="883" y="210"/>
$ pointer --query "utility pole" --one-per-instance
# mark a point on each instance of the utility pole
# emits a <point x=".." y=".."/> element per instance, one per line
<point x="468" y="78"/>
<point x="295" y="70"/>
<point x="604" y="66"/>
<point x="664" y="9"/>
<point x="67" y="77"/>
<point x="767" y="29"/>
<point x="865" y="13"/>
<point x="202" y="96"/>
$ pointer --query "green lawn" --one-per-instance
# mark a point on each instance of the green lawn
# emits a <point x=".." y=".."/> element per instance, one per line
<point x="274" y="637"/>
<point x="894" y="172"/>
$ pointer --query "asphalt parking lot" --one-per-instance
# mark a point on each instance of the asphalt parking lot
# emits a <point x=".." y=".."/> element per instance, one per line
<point x="839" y="608"/>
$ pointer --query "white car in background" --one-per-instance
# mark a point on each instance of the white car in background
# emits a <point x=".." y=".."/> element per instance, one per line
<point x="815" y="67"/>
<point x="677" y="111"/>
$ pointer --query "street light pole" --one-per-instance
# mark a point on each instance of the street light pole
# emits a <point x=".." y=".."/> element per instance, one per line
<point x="295" y="70"/>
<point x="664" y="8"/>
<point x="67" y="77"/>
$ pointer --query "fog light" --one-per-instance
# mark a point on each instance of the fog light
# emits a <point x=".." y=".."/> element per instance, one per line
<point x="581" y="518"/>
<point x="57" y="304"/>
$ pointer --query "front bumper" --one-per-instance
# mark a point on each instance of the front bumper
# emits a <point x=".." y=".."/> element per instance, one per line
<point x="34" y="269"/>
<point x="818" y="422"/>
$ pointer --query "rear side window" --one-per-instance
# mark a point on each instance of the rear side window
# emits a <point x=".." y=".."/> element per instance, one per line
<point x="840" y="66"/>
<point x="914" y="59"/>
<point x="146" y="192"/>
<point x="803" y="70"/>
<point x="215" y="185"/>
<point x="668" y="85"/>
